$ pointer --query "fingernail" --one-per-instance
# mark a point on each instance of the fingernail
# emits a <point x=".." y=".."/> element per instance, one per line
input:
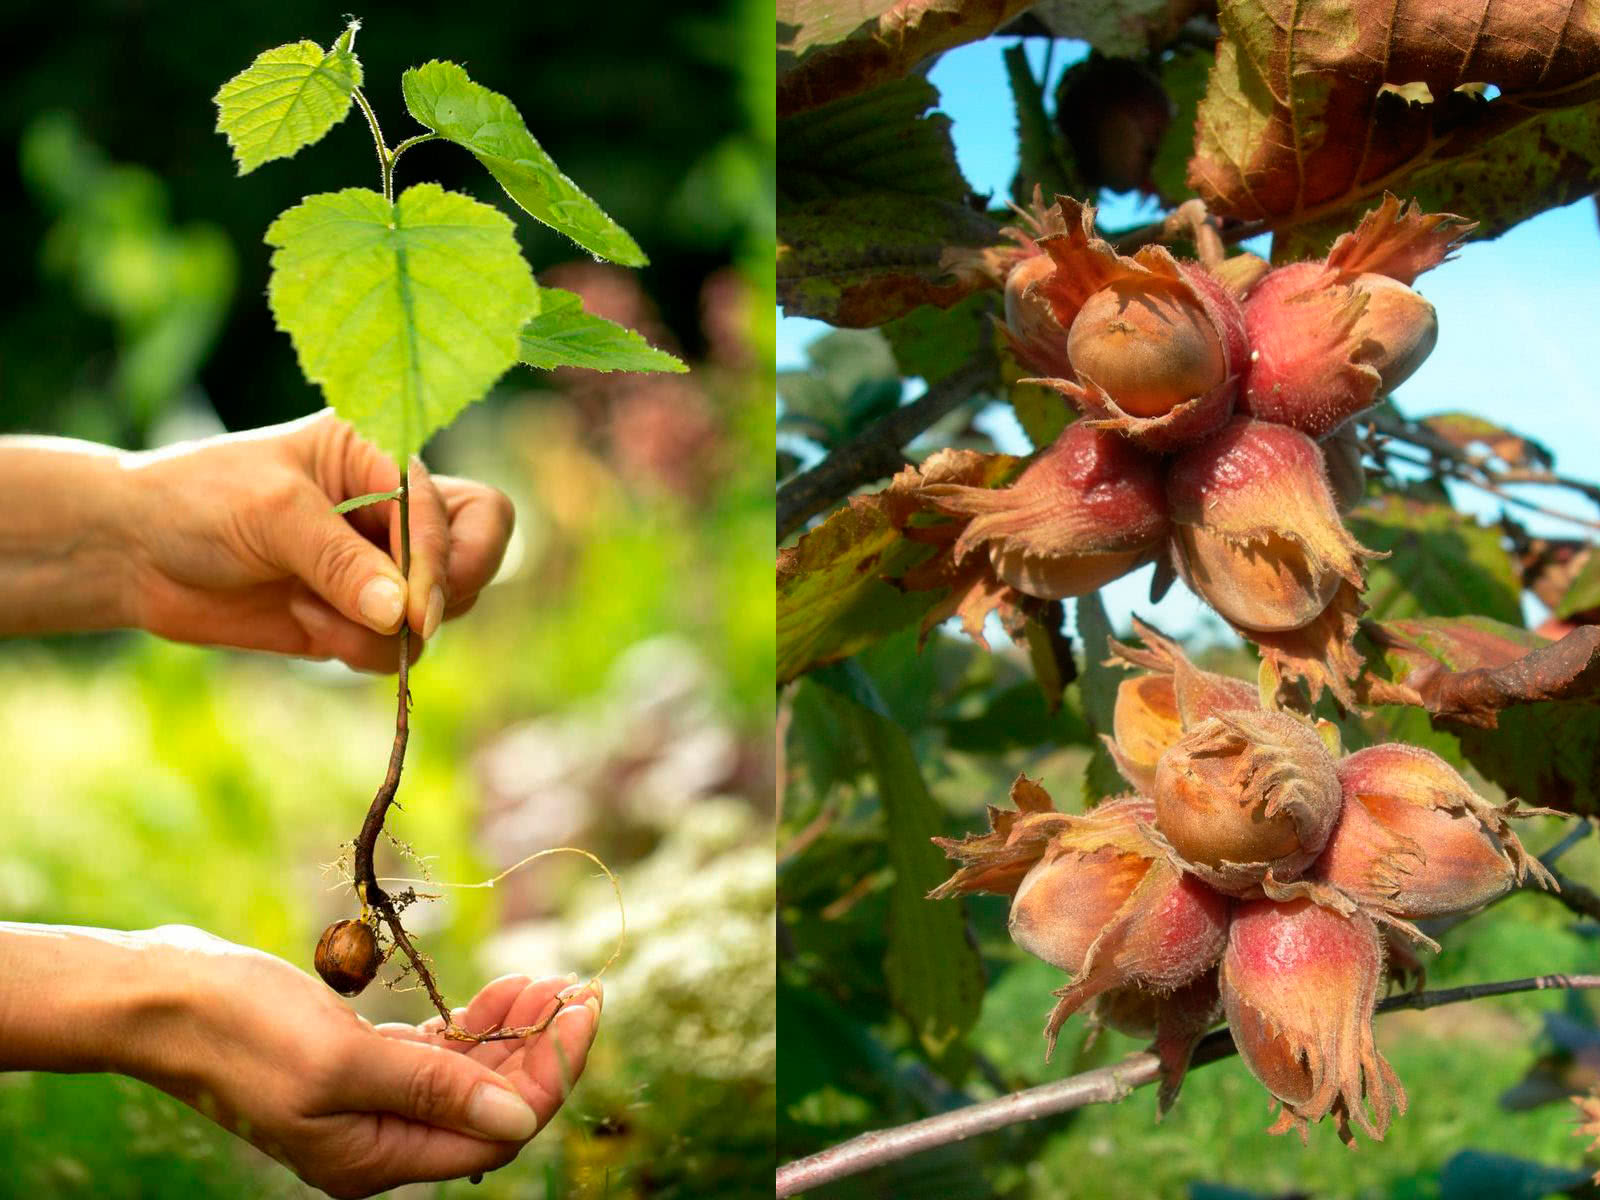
<point x="498" y="1113"/>
<point x="430" y="623"/>
<point x="598" y="991"/>
<point x="381" y="603"/>
<point x="584" y="1013"/>
<point x="592" y="1003"/>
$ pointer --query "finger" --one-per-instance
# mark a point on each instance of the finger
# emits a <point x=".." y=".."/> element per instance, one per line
<point x="329" y="635"/>
<point x="481" y="520"/>
<point x="429" y="589"/>
<point x="555" y="1059"/>
<point x="432" y="1086"/>
<point x="399" y="1151"/>
<point x="356" y="578"/>
<point x="532" y="1004"/>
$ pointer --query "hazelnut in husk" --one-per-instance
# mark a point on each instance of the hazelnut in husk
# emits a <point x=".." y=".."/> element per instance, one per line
<point x="347" y="956"/>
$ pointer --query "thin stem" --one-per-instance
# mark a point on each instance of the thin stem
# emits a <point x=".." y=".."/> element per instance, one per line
<point x="1100" y="1086"/>
<point x="385" y="158"/>
<point x="395" y="154"/>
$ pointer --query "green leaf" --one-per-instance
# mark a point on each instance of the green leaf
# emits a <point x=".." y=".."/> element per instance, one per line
<point x="936" y="342"/>
<point x="935" y="975"/>
<point x="1442" y="563"/>
<point x="1097" y="688"/>
<point x="356" y="502"/>
<point x="402" y="313"/>
<point x="1583" y="593"/>
<point x="872" y="257"/>
<point x="1183" y="75"/>
<point x="288" y="98"/>
<point x="563" y="335"/>
<point x="1042" y="161"/>
<point x="442" y="97"/>
<point x="882" y="140"/>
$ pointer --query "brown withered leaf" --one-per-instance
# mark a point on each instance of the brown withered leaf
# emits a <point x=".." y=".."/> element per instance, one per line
<point x="1312" y="109"/>
<point x="873" y="257"/>
<point x="1465" y="432"/>
<point x="822" y="58"/>
<point x="1470" y="668"/>
<point x="834" y="598"/>
<point x="1525" y="710"/>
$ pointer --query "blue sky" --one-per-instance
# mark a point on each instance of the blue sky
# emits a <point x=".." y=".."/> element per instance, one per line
<point x="1517" y="320"/>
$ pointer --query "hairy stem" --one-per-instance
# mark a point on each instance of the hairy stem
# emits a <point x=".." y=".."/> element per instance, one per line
<point x="385" y="158"/>
<point x="1100" y="1086"/>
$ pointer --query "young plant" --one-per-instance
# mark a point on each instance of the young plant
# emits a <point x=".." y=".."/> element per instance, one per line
<point x="405" y="309"/>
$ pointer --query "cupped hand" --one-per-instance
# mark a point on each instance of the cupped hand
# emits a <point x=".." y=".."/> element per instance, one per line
<point x="237" y="544"/>
<point x="272" y="1055"/>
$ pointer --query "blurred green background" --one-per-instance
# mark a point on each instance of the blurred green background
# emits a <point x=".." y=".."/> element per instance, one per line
<point x="612" y="690"/>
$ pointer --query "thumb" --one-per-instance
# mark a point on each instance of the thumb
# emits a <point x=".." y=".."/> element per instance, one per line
<point x="439" y="1087"/>
<point x="349" y="572"/>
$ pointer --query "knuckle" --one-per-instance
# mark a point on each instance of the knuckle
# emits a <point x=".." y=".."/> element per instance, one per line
<point x="338" y="560"/>
<point x="428" y="1093"/>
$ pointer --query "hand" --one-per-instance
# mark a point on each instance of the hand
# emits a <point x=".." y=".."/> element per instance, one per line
<point x="237" y="544"/>
<point x="271" y="1054"/>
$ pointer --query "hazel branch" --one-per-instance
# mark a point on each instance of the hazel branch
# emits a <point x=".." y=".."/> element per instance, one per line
<point x="1103" y="1085"/>
<point x="875" y="453"/>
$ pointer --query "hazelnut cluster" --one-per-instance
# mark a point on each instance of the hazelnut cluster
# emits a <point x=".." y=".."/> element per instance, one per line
<point x="1215" y="436"/>
<point x="1255" y="872"/>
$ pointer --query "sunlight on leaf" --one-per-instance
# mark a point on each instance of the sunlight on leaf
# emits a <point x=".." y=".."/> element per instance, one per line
<point x="404" y="314"/>
<point x="563" y="335"/>
<point x="442" y="97"/>
<point x="288" y="98"/>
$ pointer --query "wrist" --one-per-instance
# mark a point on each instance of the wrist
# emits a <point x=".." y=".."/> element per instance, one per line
<point x="76" y="999"/>
<point x="66" y="550"/>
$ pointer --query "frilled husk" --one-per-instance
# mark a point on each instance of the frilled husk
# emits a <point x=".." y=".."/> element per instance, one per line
<point x="1175" y="1021"/>
<point x="1086" y="511"/>
<point x="1416" y="841"/>
<point x="1257" y="531"/>
<point x="1299" y="985"/>
<point x="1247" y="794"/>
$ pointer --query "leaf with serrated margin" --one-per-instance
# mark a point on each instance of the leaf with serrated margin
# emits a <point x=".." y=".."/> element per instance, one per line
<point x="882" y="140"/>
<point x="288" y="98"/>
<point x="1307" y="114"/>
<point x="876" y="256"/>
<point x="1465" y="431"/>
<point x="934" y="973"/>
<point x="1523" y="707"/>
<point x="563" y="335"/>
<point x="402" y="313"/>
<point x="1441" y="562"/>
<point x="887" y="43"/>
<point x="447" y="101"/>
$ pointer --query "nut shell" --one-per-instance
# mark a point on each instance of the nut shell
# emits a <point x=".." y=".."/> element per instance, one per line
<point x="347" y="956"/>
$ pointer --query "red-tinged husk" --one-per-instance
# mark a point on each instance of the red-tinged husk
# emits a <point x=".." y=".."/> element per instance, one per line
<point x="1416" y="840"/>
<point x="1176" y="1021"/>
<point x="1400" y="241"/>
<point x="996" y="862"/>
<point x="1168" y="932"/>
<point x="1086" y="511"/>
<point x="1326" y="345"/>
<point x="1321" y="652"/>
<point x="1299" y="985"/>
<point x="1257" y="531"/>
<point x="1154" y="347"/>
<point x="1247" y="794"/>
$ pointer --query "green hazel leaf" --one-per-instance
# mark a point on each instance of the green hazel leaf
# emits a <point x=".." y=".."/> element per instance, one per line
<point x="403" y="313"/>
<point x="563" y="335"/>
<point x="356" y="502"/>
<point x="442" y="97"/>
<point x="288" y="98"/>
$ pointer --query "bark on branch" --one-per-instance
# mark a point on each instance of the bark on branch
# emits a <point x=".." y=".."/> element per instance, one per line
<point x="1100" y="1086"/>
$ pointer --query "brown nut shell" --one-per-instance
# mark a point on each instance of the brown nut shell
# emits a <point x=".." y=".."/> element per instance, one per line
<point x="347" y="956"/>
